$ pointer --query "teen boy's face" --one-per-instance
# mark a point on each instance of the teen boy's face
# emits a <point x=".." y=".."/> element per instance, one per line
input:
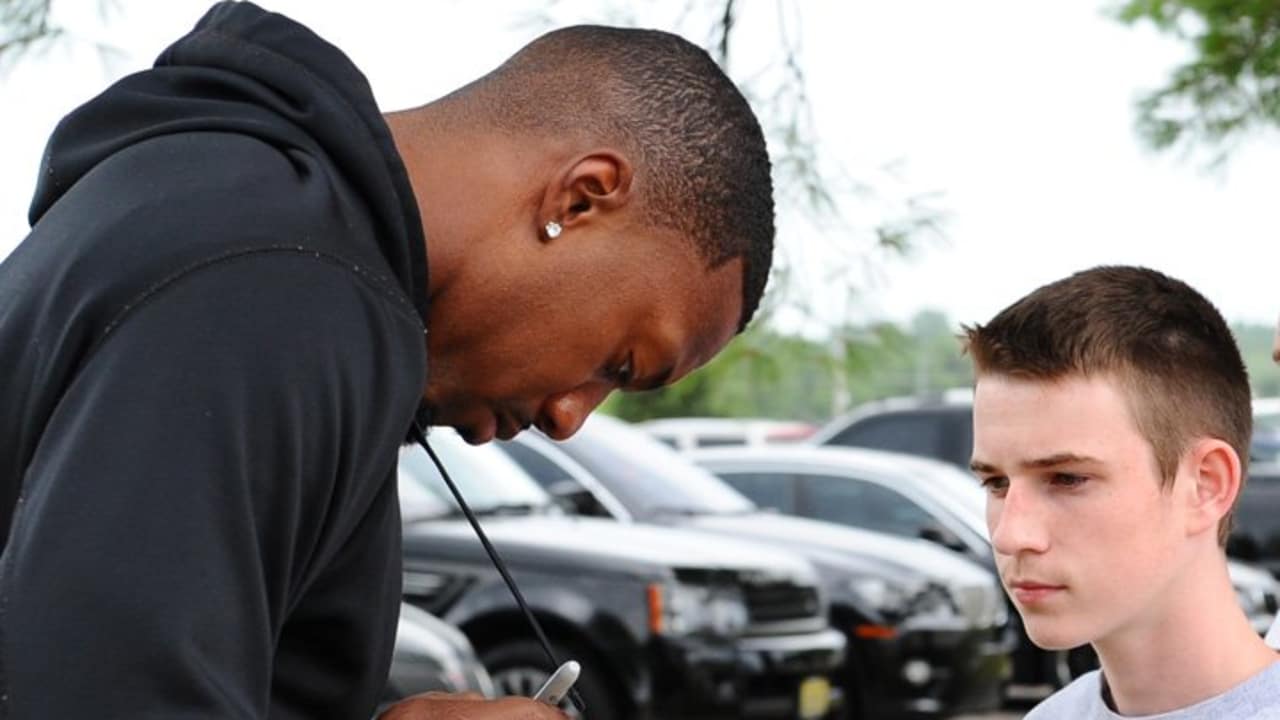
<point x="1086" y="541"/>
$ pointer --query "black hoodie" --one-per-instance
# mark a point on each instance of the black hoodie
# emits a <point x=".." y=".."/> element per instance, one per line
<point x="211" y="348"/>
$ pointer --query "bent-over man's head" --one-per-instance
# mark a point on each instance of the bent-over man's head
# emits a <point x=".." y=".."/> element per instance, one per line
<point x="599" y="216"/>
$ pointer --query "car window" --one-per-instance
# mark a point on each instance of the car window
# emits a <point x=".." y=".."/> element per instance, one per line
<point x="647" y="476"/>
<point x="1267" y="421"/>
<point x="668" y="440"/>
<point x="542" y="469"/>
<point x="962" y="434"/>
<point x="850" y="501"/>
<point x="485" y="476"/>
<point x="718" y="441"/>
<point x="917" y="434"/>
<point x="770" y="490"/>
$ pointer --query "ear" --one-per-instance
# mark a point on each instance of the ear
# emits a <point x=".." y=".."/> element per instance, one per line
<point x="587" y="187"/>
<point x="1214" y="469"/>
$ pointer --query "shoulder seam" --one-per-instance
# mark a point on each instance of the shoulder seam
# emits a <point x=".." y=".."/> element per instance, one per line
<point x="397" y="300"/>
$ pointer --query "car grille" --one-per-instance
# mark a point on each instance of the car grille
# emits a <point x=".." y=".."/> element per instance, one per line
<point x="432" y="591"/>
<point x="774" y="602"/>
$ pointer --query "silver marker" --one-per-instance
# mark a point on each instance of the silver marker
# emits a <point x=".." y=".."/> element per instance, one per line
<point x="557" y="686"/>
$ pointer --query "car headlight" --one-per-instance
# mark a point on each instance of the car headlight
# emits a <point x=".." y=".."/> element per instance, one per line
<point x="981" y="604"/>
<point x="683" y="609"/>
<point x="888" y="597"/>
<point x="927" y="604"/>
<point x="934" y="603"/>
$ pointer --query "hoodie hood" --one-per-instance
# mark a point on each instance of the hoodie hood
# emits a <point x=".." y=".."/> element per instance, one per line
<point x="246" y="71"/>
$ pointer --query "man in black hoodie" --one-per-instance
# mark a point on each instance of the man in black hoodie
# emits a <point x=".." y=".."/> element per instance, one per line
<point x="222" y="327"/>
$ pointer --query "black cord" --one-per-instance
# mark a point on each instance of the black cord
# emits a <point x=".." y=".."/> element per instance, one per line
<point x="420" y="437"/>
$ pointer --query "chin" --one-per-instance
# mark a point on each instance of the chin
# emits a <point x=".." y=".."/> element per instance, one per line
<point x="475" y="434"/>
<point x="1054" y="633"/>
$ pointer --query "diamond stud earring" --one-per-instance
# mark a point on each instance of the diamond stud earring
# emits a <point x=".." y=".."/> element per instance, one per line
<point x="553" y="229"/>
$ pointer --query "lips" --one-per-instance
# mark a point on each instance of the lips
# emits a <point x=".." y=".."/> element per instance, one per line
<point x="1031" y="592"/>
<point x="508" y="426"/>
<point x="493" y="424"/>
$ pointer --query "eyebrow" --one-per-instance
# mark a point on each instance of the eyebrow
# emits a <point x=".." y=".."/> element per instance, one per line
<point x="1049" y="461"/>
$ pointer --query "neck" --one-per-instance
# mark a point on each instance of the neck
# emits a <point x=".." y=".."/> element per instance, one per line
<point x="422" y="138"/>
<point x="474" y="187"/>
<point x="1198" y="644"/>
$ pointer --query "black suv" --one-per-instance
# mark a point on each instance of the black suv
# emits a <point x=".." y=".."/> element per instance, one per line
<point x="1255" y="537"/>
<point x="666" y="624"/>
<point x="939" y="427"/>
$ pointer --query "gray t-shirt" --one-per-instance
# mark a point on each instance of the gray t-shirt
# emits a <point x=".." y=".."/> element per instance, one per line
<point x="1257" y="698"/>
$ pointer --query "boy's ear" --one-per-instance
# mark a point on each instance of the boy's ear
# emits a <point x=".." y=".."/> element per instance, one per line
<point x="1216" y="476"/>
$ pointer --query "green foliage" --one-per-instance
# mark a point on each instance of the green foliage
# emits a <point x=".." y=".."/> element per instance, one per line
<point x="1255" y="343"/>
<point x="1232" y="83"/>
<point x="760" y="371"/>
<point x="766" y="374"/>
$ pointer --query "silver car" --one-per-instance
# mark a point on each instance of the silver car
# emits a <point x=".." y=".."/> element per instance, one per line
<point x="431" y="654"/>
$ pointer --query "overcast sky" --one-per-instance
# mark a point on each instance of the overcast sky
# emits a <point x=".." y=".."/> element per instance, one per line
<point x="1017" y="115"/>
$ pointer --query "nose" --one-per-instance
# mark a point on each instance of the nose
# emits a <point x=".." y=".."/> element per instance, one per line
<point x="562" y="414"/>
<point x="1016" y="522"/>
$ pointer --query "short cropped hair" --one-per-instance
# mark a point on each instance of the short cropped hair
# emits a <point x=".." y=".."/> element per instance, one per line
<point x="703" y="165"/>
<point x="1168" y="347"/>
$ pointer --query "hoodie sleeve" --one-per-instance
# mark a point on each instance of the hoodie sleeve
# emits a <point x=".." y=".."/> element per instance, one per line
<point x="213" y="494"/>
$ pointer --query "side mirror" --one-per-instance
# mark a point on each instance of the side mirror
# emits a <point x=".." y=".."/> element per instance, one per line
<point x="942" y="536"/>
<point x="575" y="499"/>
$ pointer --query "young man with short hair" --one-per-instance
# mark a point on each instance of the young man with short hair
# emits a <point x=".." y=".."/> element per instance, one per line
<point x="1111" y="428"/>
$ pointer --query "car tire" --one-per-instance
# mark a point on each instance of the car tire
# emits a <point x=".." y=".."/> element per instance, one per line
<point x="520" y="668"/>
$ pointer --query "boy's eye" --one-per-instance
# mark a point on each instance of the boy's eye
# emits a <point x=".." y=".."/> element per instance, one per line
<point x="996" y="484"/>
<point x="1068" y="479"/>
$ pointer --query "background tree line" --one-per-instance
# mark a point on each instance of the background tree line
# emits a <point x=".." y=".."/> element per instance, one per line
<point x="765" y="373"/>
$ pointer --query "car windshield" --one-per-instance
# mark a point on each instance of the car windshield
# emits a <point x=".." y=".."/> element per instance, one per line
<point x="648" y="477"/>
<point x="489" y="481"/>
